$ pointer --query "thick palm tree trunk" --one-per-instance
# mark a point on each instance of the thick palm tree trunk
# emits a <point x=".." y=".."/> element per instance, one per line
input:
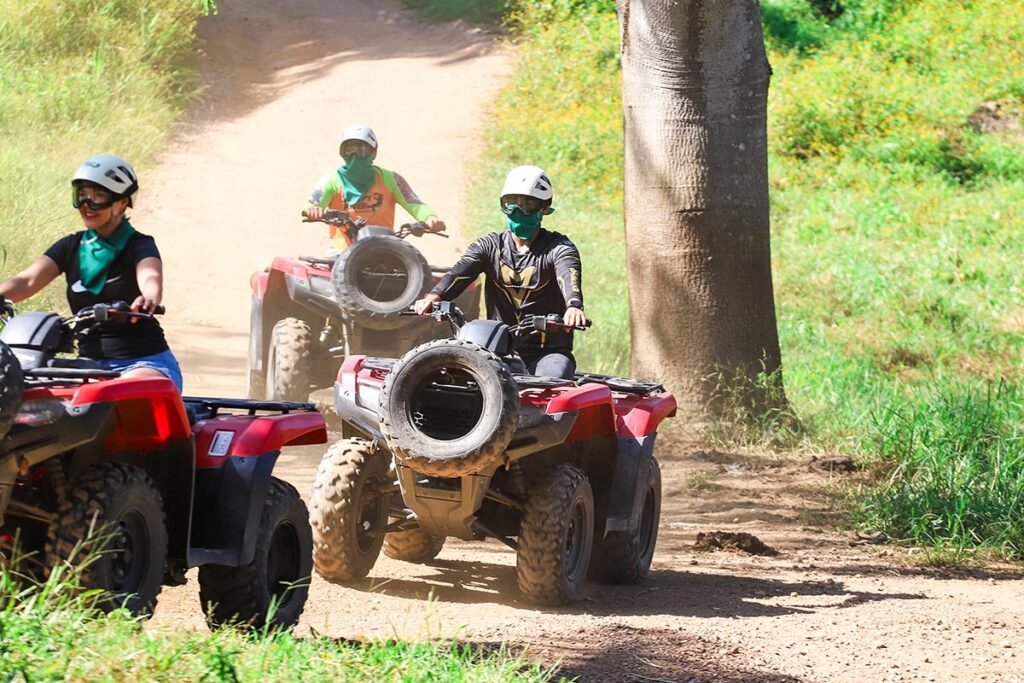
<point x="695" y="88"/>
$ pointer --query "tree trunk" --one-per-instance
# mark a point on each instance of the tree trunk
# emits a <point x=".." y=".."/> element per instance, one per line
<point x="702" y="312"/>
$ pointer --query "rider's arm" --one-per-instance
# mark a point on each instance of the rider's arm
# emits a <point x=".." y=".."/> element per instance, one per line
<point x="406" y="197"/>
<point x="325" y="190"/>
<point x="150" y="274"/>
<point x="568" y="273"/>
<point x="29" y="281"/>
<point x="465" y="270"/>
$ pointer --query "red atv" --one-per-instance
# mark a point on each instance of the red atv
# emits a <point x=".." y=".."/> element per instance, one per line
<point x="459" y="441"/>
<point x="308" y="313"/>
<point x="147" y="483"/>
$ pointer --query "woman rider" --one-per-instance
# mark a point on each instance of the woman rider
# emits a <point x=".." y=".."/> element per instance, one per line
<point x="107" y="262"/>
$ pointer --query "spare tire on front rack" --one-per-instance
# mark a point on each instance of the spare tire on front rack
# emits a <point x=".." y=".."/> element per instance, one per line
<point x="12" y="383"/>
<point x="449" y="408"/>
<point x="378" y="278"/>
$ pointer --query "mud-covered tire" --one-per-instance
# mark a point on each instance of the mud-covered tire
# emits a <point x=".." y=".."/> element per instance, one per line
<point x="12" y="382"/>
<point x="347" y="512"/>
<point x="625" y="557"/>
<point x="555" y="536"/>
<point x="288" y="361"/>
<point x="113" y="522"/>
<point x="278" y="575"/>
<point x="374" y="301"/>
<point x="422" y="430"/>
<point x="412" y="545"/>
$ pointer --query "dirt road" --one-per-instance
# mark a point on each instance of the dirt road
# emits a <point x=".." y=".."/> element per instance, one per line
<point x="283" y="80"/>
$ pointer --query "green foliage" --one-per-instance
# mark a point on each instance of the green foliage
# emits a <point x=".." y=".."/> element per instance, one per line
<point x="953" y="471"/>
<point x="81" y="77"/>
<point x="52" y="631"/>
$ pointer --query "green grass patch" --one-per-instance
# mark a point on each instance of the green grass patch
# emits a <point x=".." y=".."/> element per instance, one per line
<point x="897" y="187"/>
<point x="81" y="77"/>
<point x="53" y="632"/>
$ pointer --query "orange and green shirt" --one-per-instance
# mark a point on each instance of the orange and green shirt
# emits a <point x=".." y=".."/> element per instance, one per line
<point x="377" y="205"/>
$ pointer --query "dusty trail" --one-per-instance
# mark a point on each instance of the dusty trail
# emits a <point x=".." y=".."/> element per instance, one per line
<point x="283" y="80"/>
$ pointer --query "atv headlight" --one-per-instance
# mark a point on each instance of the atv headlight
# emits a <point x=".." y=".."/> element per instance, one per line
<point x="40" y="412"/>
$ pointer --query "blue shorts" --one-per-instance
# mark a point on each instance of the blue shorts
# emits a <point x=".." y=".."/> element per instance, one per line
<point x="163" y="362"/>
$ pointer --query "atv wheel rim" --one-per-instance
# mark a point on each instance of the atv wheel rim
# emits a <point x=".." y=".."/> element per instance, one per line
<point x="574" y="541"/>
<point x="369" y="517"/>
<point x="129" y="550"/>
<point x="283" y="562"/>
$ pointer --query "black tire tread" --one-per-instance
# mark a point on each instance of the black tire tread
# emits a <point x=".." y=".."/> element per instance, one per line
<point x="333" y="501"/>
<point x="473" y="460"/>
<point x="235" y="595"/>
<point x="540" y="569"/>
<point x="68" y="533"/>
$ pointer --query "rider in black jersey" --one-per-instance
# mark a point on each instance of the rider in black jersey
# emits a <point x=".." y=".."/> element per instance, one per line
<point x="530" y="271"/>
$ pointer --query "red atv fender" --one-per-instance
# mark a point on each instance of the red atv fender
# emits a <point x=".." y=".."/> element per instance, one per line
<point x="235" y="458"/>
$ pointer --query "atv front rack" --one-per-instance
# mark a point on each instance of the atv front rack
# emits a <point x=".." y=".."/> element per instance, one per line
<point x="209" y="407"/>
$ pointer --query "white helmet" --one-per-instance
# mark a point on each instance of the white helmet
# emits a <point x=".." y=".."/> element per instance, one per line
<point x="530" y="181"/>
<point x="360" y="132"/>
<point x="109" y="172"/>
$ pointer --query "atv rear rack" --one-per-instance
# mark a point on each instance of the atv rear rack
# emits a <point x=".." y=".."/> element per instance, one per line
<point x="209" y="407"/>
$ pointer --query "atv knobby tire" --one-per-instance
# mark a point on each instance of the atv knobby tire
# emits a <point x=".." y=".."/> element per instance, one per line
<point x="623" y="557"/>
<point x="348" y="510"/>
<point x="288" y="361"/>
<point x="412" y="545"/>
<point x="12" y="383"/>
<point x="555" y="536"/>
<point x="278" y="576"/>
<point x="471" y="447"/>
<point x="112" y="523"/>
<point x="372" y="300"/>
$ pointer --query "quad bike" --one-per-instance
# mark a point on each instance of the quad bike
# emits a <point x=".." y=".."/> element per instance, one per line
<point x="147" y="484"/>
<point x="459" y="441"/>
<point x="308" y="313"/>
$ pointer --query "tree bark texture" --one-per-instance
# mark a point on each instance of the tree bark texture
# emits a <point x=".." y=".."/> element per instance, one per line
<point x="694" y="89"/>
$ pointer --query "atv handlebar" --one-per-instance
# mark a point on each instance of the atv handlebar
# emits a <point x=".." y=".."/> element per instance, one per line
<point x="532" y="324"/>
<point x="343" y="219"/>
<point x="117" y="312"/>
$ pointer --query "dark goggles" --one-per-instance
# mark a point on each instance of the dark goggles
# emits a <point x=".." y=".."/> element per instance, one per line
<point x="356" y="148"/>
<point x="525" y="203"/>
<point x="94" y="198"/>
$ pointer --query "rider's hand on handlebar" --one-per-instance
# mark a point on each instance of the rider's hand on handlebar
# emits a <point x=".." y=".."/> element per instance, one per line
<point x="574" y="317"/>
<point x="424" y="305"/>
<point x="143" y="304"/>
<point x="314" y="214"/>
<point x="435" y="224"/>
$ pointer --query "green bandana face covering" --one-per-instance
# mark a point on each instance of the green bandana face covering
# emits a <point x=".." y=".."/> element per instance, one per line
<point x="357" y="176"/>
<point x="522" y="226"/>
<point x="95" y="255"/>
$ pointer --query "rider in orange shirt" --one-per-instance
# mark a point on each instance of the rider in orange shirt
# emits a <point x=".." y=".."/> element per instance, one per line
<point x="365" y="190"/>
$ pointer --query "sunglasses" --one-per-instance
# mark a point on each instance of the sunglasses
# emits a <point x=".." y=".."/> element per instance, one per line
<point x="528" y="205"/>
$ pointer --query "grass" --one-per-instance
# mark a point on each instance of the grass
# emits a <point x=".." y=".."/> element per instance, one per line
<point x="896" y="200"/>
<point x="81" y="77"/>
<point x="53" y="632"/>
<point x="481" y="12"/>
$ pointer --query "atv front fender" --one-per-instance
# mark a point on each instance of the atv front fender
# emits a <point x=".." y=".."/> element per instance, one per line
<point x="634" y="467"/>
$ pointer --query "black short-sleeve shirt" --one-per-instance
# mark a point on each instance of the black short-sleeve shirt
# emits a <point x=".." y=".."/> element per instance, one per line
<point x="113" y="340"/>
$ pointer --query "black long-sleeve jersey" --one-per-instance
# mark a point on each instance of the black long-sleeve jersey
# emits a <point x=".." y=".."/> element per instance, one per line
<point x="543" y="279"/>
